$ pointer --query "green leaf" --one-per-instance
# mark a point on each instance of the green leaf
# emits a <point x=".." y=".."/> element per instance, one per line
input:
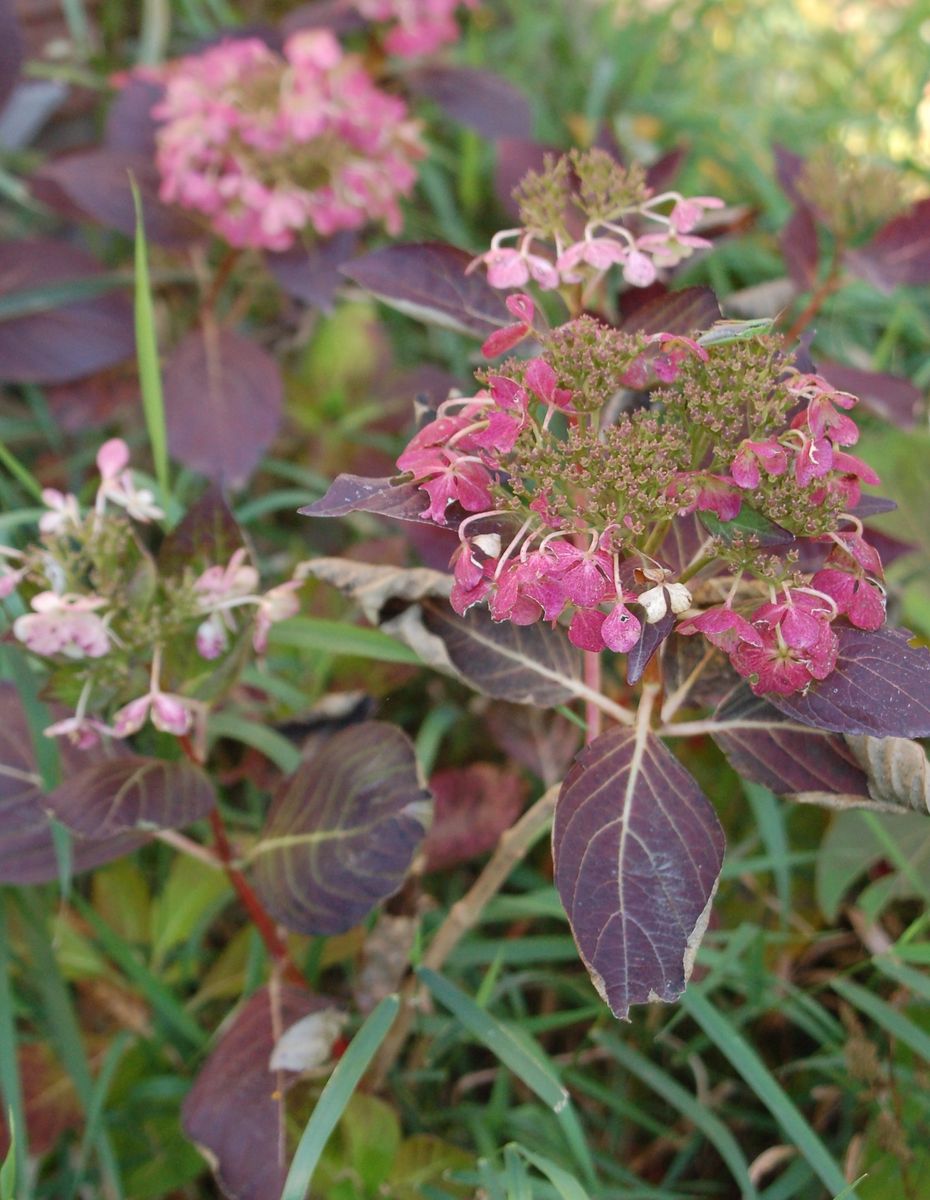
<point x="893" y="1022"/>
<point x="528" y="1065"/>
<point x="10" y="1083"/>
<point x="153" y="403"/>
<point x="339" y="1089"/>
<point x="275" y="747"/>
<point x="748" y="523"/>
<point x="565" y="1184"/>
<point x="335" y="637"/>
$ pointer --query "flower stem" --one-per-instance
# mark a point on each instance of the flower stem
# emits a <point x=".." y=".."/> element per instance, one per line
<point x="592" y="679"/>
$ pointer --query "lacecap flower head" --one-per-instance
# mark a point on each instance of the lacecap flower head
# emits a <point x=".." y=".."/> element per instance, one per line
<point x="267" y="146"/>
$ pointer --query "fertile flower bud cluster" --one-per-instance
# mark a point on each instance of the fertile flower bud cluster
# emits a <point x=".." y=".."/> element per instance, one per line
<point x="582" y="215"/>
<point x="417" y="26"/>
<point x="112" y="625"/>
<point x="571" y="504"/>
<point x="267" y="146"/>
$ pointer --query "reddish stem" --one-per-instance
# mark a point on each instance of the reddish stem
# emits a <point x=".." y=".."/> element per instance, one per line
<point x="821" y="294"/>
<point x="592" y="678"/>
<point x="258" y="915"/>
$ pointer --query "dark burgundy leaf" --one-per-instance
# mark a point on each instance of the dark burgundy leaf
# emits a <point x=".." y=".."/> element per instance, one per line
<point x="798" y="241"/>
<point x="899" y="253"/>
<point x="98" y="182"/>
<point x="313" y="274"/>
<point x="645" y="649"/>
<point x="58" y="342"/>
<point x="638" y="851"/>
<point x="788" y="168"/>
<point x="342" y="832"/>
<point x="881" y="686"/>
<point x="130" y="125"/>
<point x="355" y="493"/>
<point x="769" y="748"/>
<point x="51" y="1103"/>
<point x="528" y="664"/>
<point x="687" y="311"/>
<point x="873" y="506"/>
<point x="476" y="98"/>
<point x="685" y="538"/>
<point x="223" y="402"/>
<point x="427" y="280"/>
<point x="715" y="680"/>
<point x="661" y="174"/>
<point x="234" y="1113"/>
<point x="11" y="49"/>
<point x="27" y="852"/>
<point x="474" y="805"/>
<point x="131" y="794"/>
<point x="543" y="742"/>
<point x="890" y="396"/>
<point x="95" y="401"/>
<point x="335" y="15"/>
<point x="516" y="157"/>
<point x="207" y="535"/>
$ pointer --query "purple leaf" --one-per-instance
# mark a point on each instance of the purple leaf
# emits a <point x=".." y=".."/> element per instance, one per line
<point x="57" y="342"/>
<point x="427" y="280"/>
<point x="234" y="1113"/>
<point x="646" y="648"/>
<point x="516" y="157"/>
<point x="661" y="174"/>
<point x="798" y="241"/>
<point x="313" y="274"/>
<point x="526" y="664"/>
<point x="334" y="15"/>
<point x="474" y="805"/>
<point x="11" y="49"/>
<point x="342" y="831"/>
<point x="98" y="182"/>
<point x="207" y="535"/>
<point x="684" y="312"/>
<point x="874" y="506"/>
<point x="223" y="402"/>
<point x="899" y="254"/>
<point x="638" y="851"/>
<point x="767" y="747"/>
<point x="788" y="168"/>
<point x="476" y="98"/>
<point x="543" y="742"/>
<point x="356" y="493"/>
<point x="881" y="686"/>
<point x="27" y="852"/>
<point x="131" y="794"/>
<point x="130" y="125"/>
<point x="890" y="396"/>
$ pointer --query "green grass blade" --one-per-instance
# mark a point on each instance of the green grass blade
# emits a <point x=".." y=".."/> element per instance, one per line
<point x="335" y="637"/>
<point x="275" y="747"/>
<point x="10" y="1082"/>
<point x="8" y="1167"/>
<point x="769" y="814"/>
<point x="734" y="1047"/>
<point x="339" y="1089"/>
<point x="916" y="981"/>
<point x="537" y="1074"/>
<point x="892" y="1021"/>
<point x="161" y="998"/>
<point x="95" y="1105"/>
<point x="153" y="400"/>
<point x="678" y="1097"/>
<point x="566" y="1185"/>
<point x="63" y="1024"/>
<point x="20" y="473"/>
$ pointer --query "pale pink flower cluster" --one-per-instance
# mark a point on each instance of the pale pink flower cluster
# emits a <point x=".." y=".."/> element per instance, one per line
<point x="419" y="26"/>
<point x="266" y="146"/>
<point x="222" y="589"/>
<point x="641" y="255"/>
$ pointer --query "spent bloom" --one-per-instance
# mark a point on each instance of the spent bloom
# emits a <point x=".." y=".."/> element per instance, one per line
<point x="266" y="146"/>
<point x="109" y="619"/>
<point x="417" y="26"/>
<point x="574" y="507"/>
<point x="584" y="214"/>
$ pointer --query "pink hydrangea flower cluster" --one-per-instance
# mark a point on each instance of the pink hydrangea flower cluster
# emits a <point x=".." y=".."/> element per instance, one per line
<point x="102" y="638"/>
<point x="417" y="26"/>
<point x="267" y="146"/>
<point x="561" y="518"/>
<point x="551" y="261"/>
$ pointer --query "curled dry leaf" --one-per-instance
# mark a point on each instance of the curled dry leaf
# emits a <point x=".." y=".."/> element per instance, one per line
<point x="385" y="959"/>
<point x="897" y="770"/>
<point x="372" y="587"/>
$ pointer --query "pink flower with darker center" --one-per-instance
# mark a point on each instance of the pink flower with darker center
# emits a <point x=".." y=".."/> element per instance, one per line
<point x="66" y="624"/>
